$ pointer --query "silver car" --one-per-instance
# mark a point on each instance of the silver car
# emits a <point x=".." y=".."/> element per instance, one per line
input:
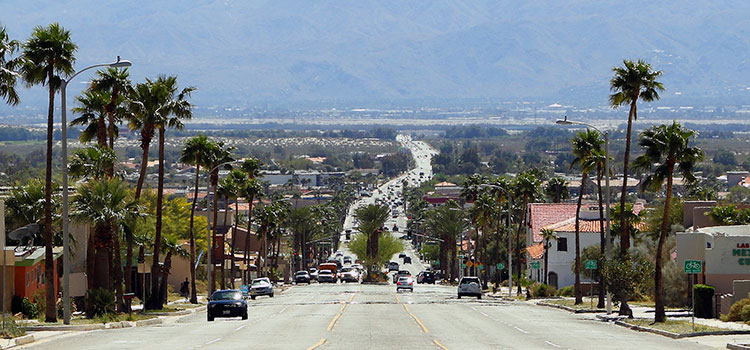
<point x="261" y="286"/>
<point x="470" y="286"/>
<point x="405" y="283"/>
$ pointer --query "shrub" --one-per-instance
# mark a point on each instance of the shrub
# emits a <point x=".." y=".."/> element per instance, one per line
<point x="539" y="290"/>
<point x="101" y="302"/>
<point x="40" y="301"/>
<point x="11" y="329"/>
<point x="703" y="299"/>
<point x="740" y="311"/>
<point x="676" y="288"/>
<point x="29" y="309"/>
<point x="568" y="291"/>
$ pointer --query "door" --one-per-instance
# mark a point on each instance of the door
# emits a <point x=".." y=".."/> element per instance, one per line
<point x="552" y="279"/>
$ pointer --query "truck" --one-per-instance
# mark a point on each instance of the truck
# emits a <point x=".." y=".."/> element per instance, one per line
<point x="330" y="267"/>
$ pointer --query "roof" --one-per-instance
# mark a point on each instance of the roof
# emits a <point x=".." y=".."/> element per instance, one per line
<point x="543" y="214"/>
<point x="586" y="226"/>
<point x="445" y="184"/>
<point x="536" y="251"/>
<point x="733" y="230"/>
<point x="34" y="255"/>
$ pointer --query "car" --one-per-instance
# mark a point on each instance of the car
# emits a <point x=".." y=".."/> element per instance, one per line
<point x="302" y="277"/>
<point x="395" y="228"/>
<point x="392" y="266"/>
<point x="261" y="286"/>
<point x="407" y="260"/>
<point x="359" y="268"/>
<point x="313" y="273"/>
<point x="405" y="283"/>
<point x="426" y="277"/>
<point x="347" y="260"/>
<point x="399" y="274"/>
<point x="226" y="303"/>
<point x="401" y="255"/>
<point x="326" y="276"/>
<point x="349" y="274"/>
<point x="469" y="286"/>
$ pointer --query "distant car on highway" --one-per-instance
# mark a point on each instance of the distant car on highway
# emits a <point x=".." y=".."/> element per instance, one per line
<point x="226" y="303"/>
<point x="401" y="255"/>
<point x="261" y="286"/>
<point x="469" y="286"/>
<point x="405" y="283"/>
<point x="399" y="274"/>
<point x="407" y="260"/>
<point x="347" y="260"/>
<point x="302" y="277"/>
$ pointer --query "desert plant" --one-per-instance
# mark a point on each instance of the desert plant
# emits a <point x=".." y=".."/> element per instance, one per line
<point x="566" y="291"/>
<point x="541" y="290"/>
<point x="28" y="309"/>
<point x="101" y="301"/>
<point x="740" y="311"/>
<point x="11" y="329"/>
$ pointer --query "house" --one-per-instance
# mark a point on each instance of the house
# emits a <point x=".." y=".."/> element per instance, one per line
<point x="25" y="273"/>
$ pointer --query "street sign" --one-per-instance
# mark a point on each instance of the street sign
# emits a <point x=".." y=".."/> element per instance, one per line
<point x="534" y="264"/>
<point x="590" y="264"/>
<point x="500" y="266"/>
<point x="463" y="266"/>
<point x="480" y="266"/>
<point x="693" y="266"/>
<point x="469" y="264"/>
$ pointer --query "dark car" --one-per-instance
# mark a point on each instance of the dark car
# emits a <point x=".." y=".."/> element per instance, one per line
<point x="226" y="303"/>
<point x="392" y="266"/>
<point x="302" y="277"/>
<point x="407" y="260"/>
<point x="426" y="277"/>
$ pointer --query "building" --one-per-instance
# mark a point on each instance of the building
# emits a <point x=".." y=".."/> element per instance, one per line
<point x="26" y="277"/>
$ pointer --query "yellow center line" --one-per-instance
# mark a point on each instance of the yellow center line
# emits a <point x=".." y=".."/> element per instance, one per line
<point x="436" y="343"/>
<point x="406" y="308"/>
<point x="321" y="342"/>
<point x="420" y="323"/>
<point x="333" y="322"/>
<point x="342" y="308"/>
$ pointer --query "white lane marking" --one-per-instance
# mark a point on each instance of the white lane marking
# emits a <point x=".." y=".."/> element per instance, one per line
<point x="240" y="327"/>
<point x="213" y="341"/>
<point x="551" y="343"/>
<point x="284" y="309"/>
<point x="521" y="330"/>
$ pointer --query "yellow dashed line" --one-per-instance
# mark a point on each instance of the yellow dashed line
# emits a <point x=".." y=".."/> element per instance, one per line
<point x="406" y="307"/>
<point x="438" y="344"/>
<point x="420" y="322"/>
<point x="333" y="322"/>
<point x="321" y="342"/>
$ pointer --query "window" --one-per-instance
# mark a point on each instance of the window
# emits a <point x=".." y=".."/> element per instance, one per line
<point x="562" y="244"/>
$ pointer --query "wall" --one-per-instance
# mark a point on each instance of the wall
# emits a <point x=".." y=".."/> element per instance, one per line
<point x="561" y="262"/>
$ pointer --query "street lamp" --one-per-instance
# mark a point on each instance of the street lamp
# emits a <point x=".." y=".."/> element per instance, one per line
<point x="510" y="240"/>
<point x="209" y="261"/>
<point x="66" y="240"/>
<point x="565" y="121"/>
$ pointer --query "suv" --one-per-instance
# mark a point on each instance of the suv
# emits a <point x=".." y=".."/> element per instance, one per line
<point x="401" y="274"/>
<point x="426" y="277"/>
<point x="392" y="266"/>
<point x="349" y="274"/>
<point x="470" y="286"/>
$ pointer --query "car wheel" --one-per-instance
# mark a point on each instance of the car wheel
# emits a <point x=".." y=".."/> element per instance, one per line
<point x="479" y="296"/>
<point x="271" y="295"/>
<point x="252" y="297"/>
<point x="459" y="296"/>
<point x="244" y="316"/>
<point x="210" y="318"/>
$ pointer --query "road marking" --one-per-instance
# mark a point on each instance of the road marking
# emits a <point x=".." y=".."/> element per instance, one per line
<point x="439" y="345"/>
<point x="240" y="327"/>
<point x="352" y="298"/>
<point x="551" y="343"/>
<point x="342" y="308"/>
<point x="420" y="323"/>
<point x="521" y="330"/>
<point x="406" y="307"/>
<point x="321" y="342"/>
<point x="213" y="341"/>
<point x="284" y="309"/>
<point x="333" y="322"/>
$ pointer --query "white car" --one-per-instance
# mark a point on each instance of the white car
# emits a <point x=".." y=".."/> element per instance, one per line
<point x="405" y="282"/>
<point x="470" y="286"/>
<point x="261" y="286"/>
<point x="349" y="274"/>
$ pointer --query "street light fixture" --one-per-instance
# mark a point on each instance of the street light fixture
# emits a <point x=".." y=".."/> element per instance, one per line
<point x="510" y="240"/>
<point x="66" y="222"/>
<point x="209" y="261"/>
<point x="607" y="248"/>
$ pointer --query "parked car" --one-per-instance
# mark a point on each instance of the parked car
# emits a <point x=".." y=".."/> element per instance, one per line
<point x="405" y="283"/>
<point x="349" y="274"/>
<point x="226" y="303"/>
<point x="469" y="286"/>
<point x="313" y="273"/>
<point x="326" y="276"/>
<point x="427" y="277"/>
<point x="399" y="274"/>
<point x="261" y="286"/>
<point x="302" y="277"/>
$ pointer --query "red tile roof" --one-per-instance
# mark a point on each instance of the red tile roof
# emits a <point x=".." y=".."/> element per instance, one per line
<point x="536" y="251"/>
<point x="569" y="225"/>
<point x="543" y="214"/>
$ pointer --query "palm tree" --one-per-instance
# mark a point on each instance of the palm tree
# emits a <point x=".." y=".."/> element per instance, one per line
<point x="114" y="82"/>
<point x="8" y="77"/>
<point x="239" y="179"/>
<point x="597" y="160"/>
<point x="252" y="190"/>
<point x="142" y="106"/>
<point x="447" y="222"/>
<point x="195" y="152"/>
<point x="547" y="236"/>
<point x="557" y="189"/>
<point x="25" y="205"/>
<point x="171" y="246"/>
<point x="371" y="219"/>
<point x="472" y="187"/>
<point x="666" y="147"/>
<point x="92" y="108"/>
<point x="91" y="162"/>
<point x="226" y="189"/>
<point x="220" y="154"/>
<point x="173" y="107"/>
<point x="301" y="223"/>
<point x="483" y="213"/>
<point x="631" y="82"/>
<point x="47" y="55"/>
<point x="585" y="144"/>
<point x="527" y="187"/>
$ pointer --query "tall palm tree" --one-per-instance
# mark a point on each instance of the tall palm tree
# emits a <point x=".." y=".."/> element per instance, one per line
<point x="631" y="82"/>
<point x="173" y="108"/>
<point x="114" y="82"/>
<point x="227" y="189"/>
<point x="557" y="189"/>
<point x="239" y="179"/>
<point x="484" y="211"/>
<point x="92" y="108"/>
<point x="547" y="236"/>
<point x="252" y="190"/>
<point x="91" y="162"/>
<point x="666" y="149"/>
<point x="142" y="105"/>
<point x="585" y="144"/>
<point x="371" y="219"/>
<point x="597" y="161"/>
<point x="527" y="188"/>
<point x="195" y="152"/>
<point x="447" y="222"/>
<point x="220" y="155"/>
<point x="48" y="58"/>
<point x="8" y="76"/>
<point x="171" y="246"/>
<point x="471" y="187"/>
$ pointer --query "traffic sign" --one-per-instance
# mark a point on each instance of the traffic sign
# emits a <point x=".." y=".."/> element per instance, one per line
<point x="469" y="264"/>
<point x="693" y="266"/>
<point x="590" y="264"/>
<point x="463" y="265"/>
<point x="500" y="266"/>
<point x="534" y="264"/>
<point x="480" y="266"/>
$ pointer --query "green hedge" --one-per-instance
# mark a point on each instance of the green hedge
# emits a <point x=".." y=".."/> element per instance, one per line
<point x="703" y="300"/>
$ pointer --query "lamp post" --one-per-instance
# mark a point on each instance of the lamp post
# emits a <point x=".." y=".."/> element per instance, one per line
<point x="510" y="240"/>
<point x="606" y="193"/>
<point x="209" y="261"/>
<point x="66" y="240"/>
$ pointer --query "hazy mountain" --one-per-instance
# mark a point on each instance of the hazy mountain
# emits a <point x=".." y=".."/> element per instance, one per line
<point x="238" y="51"/>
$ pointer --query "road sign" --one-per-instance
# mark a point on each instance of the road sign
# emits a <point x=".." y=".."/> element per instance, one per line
<point x="693" y="266"/>
<point x="480" y="266"/>
<point x="469" y="264"/>
<point x="534" y="264"/>
<point x="500" y="266"/>
<point x="590" y="264"/>
<point x="463" y="266"/>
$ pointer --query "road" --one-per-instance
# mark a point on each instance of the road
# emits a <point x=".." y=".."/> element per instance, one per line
<point x="356" y="316"/>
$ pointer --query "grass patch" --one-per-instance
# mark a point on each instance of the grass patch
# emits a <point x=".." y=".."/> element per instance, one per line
<point x="571" y="303"/>
<point x="674" y="326"/>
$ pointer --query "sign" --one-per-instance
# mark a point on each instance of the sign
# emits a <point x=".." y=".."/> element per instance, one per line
<point x="244" y="289"/>
<point x="480" y="266"/>
<point x="500" y="266"/>
<point x="535" y="264"/>
<point x="469" y="264"/>
<point x="693" y="266"/>
<point x="463" y="265"/>
<point x="590" y="264"/>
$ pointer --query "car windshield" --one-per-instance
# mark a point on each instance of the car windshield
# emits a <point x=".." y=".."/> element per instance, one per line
<point x="226" y="295"/>
<point x="325" y="272"/>
<point x="469" y="280"/>
<point x="258" y="282"/>
<point x="301" y="273"/>
<point x="347" y="269"/>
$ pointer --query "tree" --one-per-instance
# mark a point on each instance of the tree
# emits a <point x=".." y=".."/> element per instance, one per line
<point x="8" y="77"/>
<point x="527" y="188"/>
<point x="547" y="236"/>
<point x="447" y="222"/>
<point x="666" y="147"/>
<point x="114" y="82"/>
<point x="91" y="162"/>
<point x="142" y="105"/>
<point x="171" y="246"/>
<point x="48" y="58"/>
<point x="195" y="152"/>
<point x="371" y="220"/>
<point x="631" y="82"/>
<point x="25" y="205"/>
<point x="92" y="108"/>
<point x="730" y="215"/>
<point x="557" y="189"/>
<point x="585" y="145"/>
<point x="172" y="108"/>
<point x="598" y="160"/>
<point x="251" y="190"/>
<point x="725" y="157"/>
<point x="239" y="180"/>
<point x="222" y="154"/>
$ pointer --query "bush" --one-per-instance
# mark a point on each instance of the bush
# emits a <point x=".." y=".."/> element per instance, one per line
<point x="101" y="302"/>
<point x="12" y="329"/>
<point x="676" y="288"/>
<point x="740" y="311"/>
<point x="29" y="309"/>
<point x="539" y="290"/>
<point x="703" y="299"/>
<point x="40" y="301"/>
<point x="568" y="291"/>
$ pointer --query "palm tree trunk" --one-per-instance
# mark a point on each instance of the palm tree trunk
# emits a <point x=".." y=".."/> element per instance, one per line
<point x="221" y="251"/>
<point x="147" y="133"/>
<point x="214" y="178"/>
<point x="521" y="227"/>
<point x="156" y="301"/>
<point x="117" y="266"/>
<point x="90" y="259"/>
<point x="577" y="286"/>
<point x="546" y="249"/>
<point x="234" y="241"/>
<point x="247" y="238"/>
<point x="602" y="239"/>
<point x="128" y="263"/>
<point x="659" y="315"/>
<point x="49" y="264"/>
<point x="101" y="131"/>
<point x="193" y="294"/>
<point x="625" y="235"/>
<point x="165" y="277"/>
<point x="111" y="115"/>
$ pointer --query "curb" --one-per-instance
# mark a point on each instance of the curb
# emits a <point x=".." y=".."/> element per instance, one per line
<point x="732" y="346"/>
<point x="570" y="309"/>
<point x="679" y="336"/>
